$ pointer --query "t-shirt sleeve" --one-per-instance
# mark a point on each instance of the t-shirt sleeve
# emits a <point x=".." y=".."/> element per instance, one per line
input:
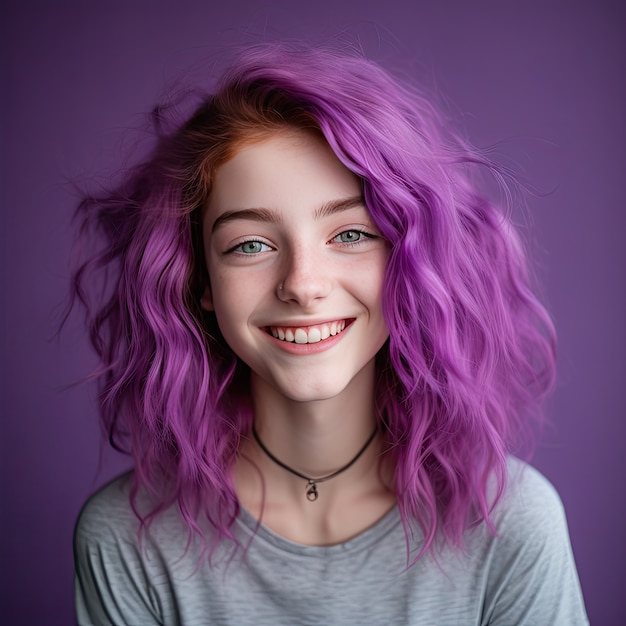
<point x="111" y="586"/>
<point x="533" y="578"/>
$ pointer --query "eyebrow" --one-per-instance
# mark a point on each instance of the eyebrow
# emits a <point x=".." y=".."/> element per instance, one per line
<point x="257" y="215"/>
<point x="336" y="206"/>
<point x="268" y="215"/>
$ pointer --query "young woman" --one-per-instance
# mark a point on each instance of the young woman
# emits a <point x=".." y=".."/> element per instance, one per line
<point x="320" y="346"/>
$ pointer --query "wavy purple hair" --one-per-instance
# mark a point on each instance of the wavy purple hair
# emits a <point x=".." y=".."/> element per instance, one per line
<point x="470" y="355"/>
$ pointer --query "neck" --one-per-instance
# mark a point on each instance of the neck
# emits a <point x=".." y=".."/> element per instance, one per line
<point x="312" y="481"/>
<point x="315" y="438"/>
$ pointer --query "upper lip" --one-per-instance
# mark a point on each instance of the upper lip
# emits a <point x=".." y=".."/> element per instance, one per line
<point x="304" y="323"/>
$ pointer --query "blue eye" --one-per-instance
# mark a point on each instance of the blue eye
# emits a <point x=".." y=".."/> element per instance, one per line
<point x="251" y="247"/>
<point x="352" y="236"/>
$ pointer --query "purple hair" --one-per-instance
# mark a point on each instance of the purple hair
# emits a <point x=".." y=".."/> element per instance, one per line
<point x="470" y="355"/>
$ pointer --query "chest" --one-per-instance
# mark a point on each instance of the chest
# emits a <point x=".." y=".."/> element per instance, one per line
<point x="370" y="585"/>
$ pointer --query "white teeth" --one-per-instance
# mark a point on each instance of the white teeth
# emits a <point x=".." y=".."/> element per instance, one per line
<point x="315" y="334"/>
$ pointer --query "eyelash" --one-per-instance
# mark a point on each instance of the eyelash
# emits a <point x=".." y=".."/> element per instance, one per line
<point x="238" y="248"/>
<point x="363" y="236"/>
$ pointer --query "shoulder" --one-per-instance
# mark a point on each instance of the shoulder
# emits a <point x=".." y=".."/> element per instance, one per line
<point x="527" y="521"/>
<point x="110" y="522"/>
<point x="529" y="499"/>
<point x="114" y="568"/>
<point x="532" y="575"/>
<point x="530" y="516"/>
<point x="108" y="511"/>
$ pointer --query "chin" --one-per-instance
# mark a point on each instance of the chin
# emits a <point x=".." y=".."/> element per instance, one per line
<point x="334" y="384"/>
<point x="317" y="394"/>
<point x="349" y="381"/>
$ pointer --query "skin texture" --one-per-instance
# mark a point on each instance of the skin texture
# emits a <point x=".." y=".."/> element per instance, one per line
<point x="289" y="244"/>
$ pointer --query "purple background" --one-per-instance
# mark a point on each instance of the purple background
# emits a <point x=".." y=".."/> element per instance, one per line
<point x="546" y="77"/>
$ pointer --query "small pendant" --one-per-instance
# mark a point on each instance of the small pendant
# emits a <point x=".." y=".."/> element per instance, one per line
<point x="311" y="492"/>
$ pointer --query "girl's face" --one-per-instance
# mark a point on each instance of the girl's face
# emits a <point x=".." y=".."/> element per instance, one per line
<point x="296" y="267"/>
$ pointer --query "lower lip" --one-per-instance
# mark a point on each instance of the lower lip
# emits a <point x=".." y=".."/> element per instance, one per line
<point x="309" y="348"/>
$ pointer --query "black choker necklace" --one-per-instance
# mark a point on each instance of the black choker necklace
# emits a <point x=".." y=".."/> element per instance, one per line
<point x="311" y="492"/>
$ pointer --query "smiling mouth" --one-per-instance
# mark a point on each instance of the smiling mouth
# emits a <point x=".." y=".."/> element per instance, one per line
<point x="308" y="334"/>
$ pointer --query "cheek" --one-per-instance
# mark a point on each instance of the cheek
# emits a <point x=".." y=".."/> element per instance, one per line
<point x="237" y="294"/>
<point x="226" y="295"/>
<point x="374" y="298"/>
<point x="370" y="281"/>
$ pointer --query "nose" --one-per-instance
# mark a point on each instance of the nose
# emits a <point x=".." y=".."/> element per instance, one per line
<point x="305" y="279"/>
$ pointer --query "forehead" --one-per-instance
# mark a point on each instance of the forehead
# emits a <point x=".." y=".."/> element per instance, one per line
<point x="287" y="168"/>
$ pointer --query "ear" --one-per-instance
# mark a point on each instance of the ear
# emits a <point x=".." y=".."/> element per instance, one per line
<point x="206" y="301"/>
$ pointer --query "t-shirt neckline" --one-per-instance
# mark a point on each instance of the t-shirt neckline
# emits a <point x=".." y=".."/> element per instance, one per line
<point x="256" y="531"/>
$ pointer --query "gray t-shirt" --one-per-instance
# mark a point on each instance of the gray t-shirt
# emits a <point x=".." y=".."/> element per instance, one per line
<point x="524" y="575"/>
